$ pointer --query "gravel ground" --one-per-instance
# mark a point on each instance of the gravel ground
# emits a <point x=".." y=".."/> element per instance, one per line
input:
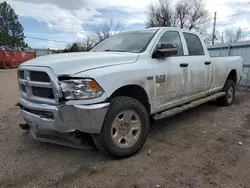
<point x="205" y="147"/>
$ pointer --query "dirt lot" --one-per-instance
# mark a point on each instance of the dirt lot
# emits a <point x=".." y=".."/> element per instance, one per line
<point x="198" y="148"/>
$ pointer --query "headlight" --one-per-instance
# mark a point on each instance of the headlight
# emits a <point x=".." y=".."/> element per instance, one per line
<point x="80" y="89"/>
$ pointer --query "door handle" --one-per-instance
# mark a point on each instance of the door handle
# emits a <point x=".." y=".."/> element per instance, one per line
<point x="183" y="64"/>
<point x="207" y="62"/>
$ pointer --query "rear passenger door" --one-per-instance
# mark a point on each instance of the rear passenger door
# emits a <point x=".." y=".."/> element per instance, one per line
<point x="199" y="67"/>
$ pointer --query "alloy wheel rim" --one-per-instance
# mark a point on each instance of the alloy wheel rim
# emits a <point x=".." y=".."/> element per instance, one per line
<point x="126" y="129"/>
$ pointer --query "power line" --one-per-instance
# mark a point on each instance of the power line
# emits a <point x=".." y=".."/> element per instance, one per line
<point x="63" y="29"/>
<point x="48" y="40"/>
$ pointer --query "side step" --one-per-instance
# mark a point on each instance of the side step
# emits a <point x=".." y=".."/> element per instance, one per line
<point x="177" y="110"/>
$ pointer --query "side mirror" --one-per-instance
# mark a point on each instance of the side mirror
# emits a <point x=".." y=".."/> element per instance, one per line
<point x="165" y="50"/>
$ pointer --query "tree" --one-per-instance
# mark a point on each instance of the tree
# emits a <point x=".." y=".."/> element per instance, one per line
<point x="182" y="12"/>
<point x="75" y="48"/>
<point x="11" y="31"/>
<point x="106" y="29"/>
<point x="187" y="14"/>
<point x="229" y="35"/>
<point x="88" y="42"/>
<point x="208" y="36"/>
<point x="160" y="14"/>
<point x="233" y="35"/>
<point x="198" y="15"/>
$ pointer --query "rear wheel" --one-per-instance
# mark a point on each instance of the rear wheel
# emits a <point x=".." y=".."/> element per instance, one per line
<point x="229" y="89"/>
<point x="125" y="128"/>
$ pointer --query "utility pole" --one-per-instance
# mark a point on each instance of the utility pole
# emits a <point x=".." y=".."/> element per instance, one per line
<point x="214" y="28"/>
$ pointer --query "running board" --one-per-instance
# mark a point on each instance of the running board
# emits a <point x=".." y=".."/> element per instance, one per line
<point x="177" y="110"/>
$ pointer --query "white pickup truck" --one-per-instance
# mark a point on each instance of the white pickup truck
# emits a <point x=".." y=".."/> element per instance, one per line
<point x="111" y="92"/>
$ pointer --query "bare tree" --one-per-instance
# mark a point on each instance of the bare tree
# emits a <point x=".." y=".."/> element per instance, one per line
<point x="198" y="15"/>
<point x="160" y="14"/>
<point x="208" y="36"/>
<point x="72" y="48"/>
<point x="81" y="45"/>
<point x="182" y="12"/>
<point x="87" y="43"/>
<point x="221" y="38"/>
<point x="68" y="46"/>
<point x="239" y="34"/>
<point x="230" y="35"/>
<point x="188" y="14"/>
<point x="233" y="35"/>
<point x="106" y="29"/>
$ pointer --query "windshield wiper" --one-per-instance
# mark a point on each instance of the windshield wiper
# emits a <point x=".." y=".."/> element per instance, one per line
<point x="109" y="50"/>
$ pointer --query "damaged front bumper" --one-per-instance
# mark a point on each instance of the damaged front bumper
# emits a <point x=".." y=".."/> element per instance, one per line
<point x="64" y="118"/>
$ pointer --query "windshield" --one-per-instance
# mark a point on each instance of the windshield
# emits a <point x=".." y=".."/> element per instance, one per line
<point x="134" y="42"/>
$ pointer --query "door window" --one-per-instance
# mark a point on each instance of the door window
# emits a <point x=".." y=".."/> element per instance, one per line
<point x="193" y="44"/>
<point x="172" y="37"/>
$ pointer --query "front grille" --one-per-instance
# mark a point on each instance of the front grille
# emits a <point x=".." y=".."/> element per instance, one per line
<point x="43" y="114"/>
<point x="43" y="92"/>
<point x="38" y="76"/>
<point x="39" y="85"/>
<point x="21" y="74"/>
<point x="23" y="88"/>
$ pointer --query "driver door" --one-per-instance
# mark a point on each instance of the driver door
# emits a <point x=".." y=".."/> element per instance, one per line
<point x="171" y="74"/>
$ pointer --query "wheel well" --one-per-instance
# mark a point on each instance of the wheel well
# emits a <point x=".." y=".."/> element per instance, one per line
<point x="232" y="76"/>
<point x="133" y="91"/>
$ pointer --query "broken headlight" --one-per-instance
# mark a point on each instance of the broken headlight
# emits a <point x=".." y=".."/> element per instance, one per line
<point x="74" y="89"/>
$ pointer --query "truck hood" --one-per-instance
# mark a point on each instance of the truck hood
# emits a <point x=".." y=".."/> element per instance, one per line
<point x="73" y="63"/>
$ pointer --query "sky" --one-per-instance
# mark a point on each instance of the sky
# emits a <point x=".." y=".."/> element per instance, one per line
<point x="67" y="21"/>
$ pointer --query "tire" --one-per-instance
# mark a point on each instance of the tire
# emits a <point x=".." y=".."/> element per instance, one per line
<point x="228" y="99"/>
<point x="114" y="125"/>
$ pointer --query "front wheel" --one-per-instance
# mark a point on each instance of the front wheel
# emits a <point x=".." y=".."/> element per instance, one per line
<point x="125" y="128"/>
<point x="228" y="98"/>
